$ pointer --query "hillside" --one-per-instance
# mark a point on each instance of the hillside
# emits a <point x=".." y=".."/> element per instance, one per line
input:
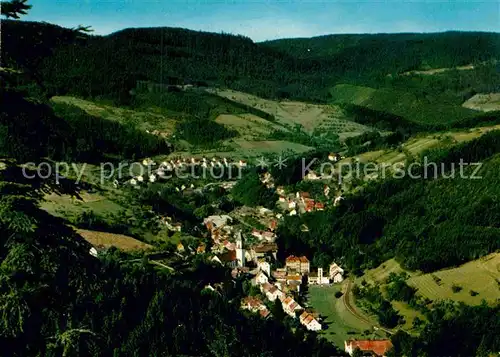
<point x="273" y="70"/>
<point x="395" y="53"/>
<point x="163" y="136"/>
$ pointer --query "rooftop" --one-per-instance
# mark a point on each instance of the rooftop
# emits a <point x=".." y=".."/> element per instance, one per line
<point x="379" y="347"/>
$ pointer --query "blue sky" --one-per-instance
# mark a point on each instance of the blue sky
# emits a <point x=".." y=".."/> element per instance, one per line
<point x="271" y="19"/>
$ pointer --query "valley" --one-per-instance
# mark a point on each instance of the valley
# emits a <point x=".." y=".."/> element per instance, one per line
<point x="156" y="198"/>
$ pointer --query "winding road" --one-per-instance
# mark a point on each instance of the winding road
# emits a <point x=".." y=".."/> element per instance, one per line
<point x="346" y="299"/>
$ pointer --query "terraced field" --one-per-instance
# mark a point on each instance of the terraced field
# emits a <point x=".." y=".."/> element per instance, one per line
<point x="291" y="113"/>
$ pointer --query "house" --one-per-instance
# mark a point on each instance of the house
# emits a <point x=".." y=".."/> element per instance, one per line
<point x="292" y="204"/>
<point x="326" y="190"/>
<point x="303" y="195"/>
<point x="242" y="163"/>
<point x="252" y="303"/>
<point x="229" y="258"/>
<point x="336" y="273"/>
<point x="263" y="249"/>
<point x="334" y="157"/>
<point x="271" y="291"/>
<point x="282" y="199"/>
<point x="309" y="321"/>
<point x="309" y="204"/>
<point x="280" y="190"/>
<point x="273" y="224"/>
<point x="279" y="275"/>
<point x="264" y="266"/>
<point x="260" y="279"/>
<point x="290" y="306"/>
<point x="293" y="213"/>
<point x="201" y="249"/>
<point x="319" y="206"/>
<point x="297" y="264"/>
<point x="378" y="348"/>
<point x="212" y="222"/>
<point x="337" y="200"/>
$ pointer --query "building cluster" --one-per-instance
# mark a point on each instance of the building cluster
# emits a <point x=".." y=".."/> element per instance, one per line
<point x="299" y="203"/>
<point x="165" y="169"/>
<point x="378" y="348"/>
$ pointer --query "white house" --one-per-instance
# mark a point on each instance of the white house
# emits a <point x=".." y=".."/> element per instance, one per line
<point x="309" y="321"/>
<point x="261" y="278"/>
<point x="337" y="200"/>
<point x="293" y="213"/>
<point x="336" y="273"/>
<point x="264" y="266"/>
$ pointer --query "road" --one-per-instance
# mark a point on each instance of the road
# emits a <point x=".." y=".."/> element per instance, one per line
<point x="346" y="299"/>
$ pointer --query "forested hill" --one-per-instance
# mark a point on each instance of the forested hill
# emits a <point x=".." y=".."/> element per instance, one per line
<point x="403" y="51"/>
<point x="104" y="65"/>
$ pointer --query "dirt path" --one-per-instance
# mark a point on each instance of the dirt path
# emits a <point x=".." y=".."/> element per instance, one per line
<point x="346" y="299"/>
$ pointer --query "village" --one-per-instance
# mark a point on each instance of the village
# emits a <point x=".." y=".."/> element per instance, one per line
<point x="252" y="254"/>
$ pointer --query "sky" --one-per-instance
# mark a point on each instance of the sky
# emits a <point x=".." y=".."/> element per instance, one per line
<point x="271" y="19"/>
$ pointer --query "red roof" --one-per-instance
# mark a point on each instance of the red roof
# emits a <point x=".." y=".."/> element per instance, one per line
<point x="379" y="347"/>
<point x="264" y="313"/>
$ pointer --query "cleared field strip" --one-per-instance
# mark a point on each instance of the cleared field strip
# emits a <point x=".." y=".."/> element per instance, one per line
<point x="483" y="102"/>
<point x="106" y="240"/>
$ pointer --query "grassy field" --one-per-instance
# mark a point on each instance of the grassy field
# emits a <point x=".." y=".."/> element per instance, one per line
<point x="106" y="240"/>
<point x="342" y="325"/>
<point x="64" y="205"/>
<point x="481" y="276"/>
